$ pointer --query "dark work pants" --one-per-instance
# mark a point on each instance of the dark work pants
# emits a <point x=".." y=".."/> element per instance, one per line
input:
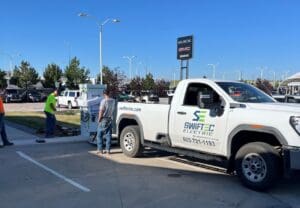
<point x="2" y="129"/>
<point x="50" y="124"/>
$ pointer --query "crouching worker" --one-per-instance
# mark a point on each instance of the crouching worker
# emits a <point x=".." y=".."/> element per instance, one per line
<point x="106" y="112"/>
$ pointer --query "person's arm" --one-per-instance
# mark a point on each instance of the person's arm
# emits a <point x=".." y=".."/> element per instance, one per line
<point x="101" y="111"/>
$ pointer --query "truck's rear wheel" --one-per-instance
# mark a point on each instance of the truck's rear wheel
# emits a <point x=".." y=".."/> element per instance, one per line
<point x="258" y="165"/>
<point x="130" y="140"/>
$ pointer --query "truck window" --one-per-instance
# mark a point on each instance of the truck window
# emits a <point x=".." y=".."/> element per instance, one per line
<point x="71" y="94"/>
<point x="66" y="94"/>
<point x="242" y="92"/>
<point x="192" y="92"/>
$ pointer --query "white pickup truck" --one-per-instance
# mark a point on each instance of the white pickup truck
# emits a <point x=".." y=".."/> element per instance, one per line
<point x="232" y="124"/>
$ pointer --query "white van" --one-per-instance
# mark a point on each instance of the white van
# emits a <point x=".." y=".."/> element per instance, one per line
<point x="68" y="98"/>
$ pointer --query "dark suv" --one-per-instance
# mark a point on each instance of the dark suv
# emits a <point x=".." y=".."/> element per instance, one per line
<point x="12" y="95"/>
<point x="32" y="96"/>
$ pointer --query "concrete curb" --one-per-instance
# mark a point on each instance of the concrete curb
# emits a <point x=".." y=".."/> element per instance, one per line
<point x="55" y="140"/>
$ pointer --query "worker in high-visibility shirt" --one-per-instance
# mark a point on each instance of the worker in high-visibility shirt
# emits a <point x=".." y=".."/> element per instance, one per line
<point x="50" y="116"/>
<point x="5" y="141"/>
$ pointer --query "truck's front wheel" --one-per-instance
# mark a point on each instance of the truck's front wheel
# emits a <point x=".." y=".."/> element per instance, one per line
<point x="258" y="165"/>
<point x="131" y="142"/>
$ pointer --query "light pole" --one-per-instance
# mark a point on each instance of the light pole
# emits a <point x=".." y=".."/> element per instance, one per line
<point x="274" y="78"/>
<point x="214" y="69"/>
<point x="10" y="70"/>
<point x="129" y="58"/>
<point x="240" y="75"/>
<point x="100" y="24"/>
<point x="262" y="69"/>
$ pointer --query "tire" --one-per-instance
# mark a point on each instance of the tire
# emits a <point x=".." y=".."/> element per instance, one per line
<point x="130" y="140"/>
<point x="257" y="165"/>
<point x="69" y="105"/>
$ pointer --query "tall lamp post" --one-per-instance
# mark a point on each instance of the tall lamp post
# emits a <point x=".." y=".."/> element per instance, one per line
<point x="130" y="64"/>
<point x="213" y="70"/>
<point x="100" y="24"/>
<point x="10" y="70"/>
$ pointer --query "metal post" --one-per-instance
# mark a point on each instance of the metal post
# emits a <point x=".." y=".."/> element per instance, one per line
<point x="130" y="69"/>
<point x="100" y="44"/>
<point x="181" y="70"/>
<point x="187" y="69"/>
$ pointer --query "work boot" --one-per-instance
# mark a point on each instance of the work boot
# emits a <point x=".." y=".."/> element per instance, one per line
<point x="8" y="143"/>
<point x="40" y="140"/>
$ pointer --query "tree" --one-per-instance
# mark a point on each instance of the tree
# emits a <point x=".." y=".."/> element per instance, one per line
<point x="75" y="74"/>
<point x="148" y="83"/>
<point x="113" y="79"/>
<point x="161" y="87"/>
<point x="136" y="84"/>
<point x="3" y="83"/>
<point x="264" y="85"/>
<point x="25" y="75"/>
<point x="51" y="75"/>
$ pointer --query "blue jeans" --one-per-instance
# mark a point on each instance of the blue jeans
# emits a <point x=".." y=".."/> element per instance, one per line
<point x="104" y="130"/>
<point x="2" y="129"/>
<point x="50" y="124"/>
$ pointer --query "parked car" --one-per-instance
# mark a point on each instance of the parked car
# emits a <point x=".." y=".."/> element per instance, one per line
<point x="12" y="95"/>
<point x="68" y="98"/>
<point x="44" y="93"/>
<point x="149" y="97"/>
<point x="31" y="96"/>
<point x="123" y="97"/>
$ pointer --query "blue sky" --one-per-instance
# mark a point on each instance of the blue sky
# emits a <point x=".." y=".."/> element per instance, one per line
<point x="239" y="35"/>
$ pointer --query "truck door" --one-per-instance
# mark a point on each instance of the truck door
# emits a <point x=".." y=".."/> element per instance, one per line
<point x="199" y="128"/>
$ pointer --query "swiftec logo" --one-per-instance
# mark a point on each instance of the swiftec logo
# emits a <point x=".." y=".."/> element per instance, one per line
<point x="200" y="116"/>
<point x="198" y="126"/>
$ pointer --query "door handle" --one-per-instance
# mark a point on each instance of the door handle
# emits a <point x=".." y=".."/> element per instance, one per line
<point x="181" y="112"/>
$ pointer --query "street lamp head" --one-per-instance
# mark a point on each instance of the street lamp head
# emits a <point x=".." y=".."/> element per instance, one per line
<point x="116" y="20"/>
<point x="81" y="14"/>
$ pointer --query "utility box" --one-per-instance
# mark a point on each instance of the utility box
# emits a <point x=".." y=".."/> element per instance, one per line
<point x="89" y="102"/>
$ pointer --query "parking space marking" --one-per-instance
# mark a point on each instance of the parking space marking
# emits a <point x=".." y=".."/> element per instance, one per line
<point x="23" y="155"/>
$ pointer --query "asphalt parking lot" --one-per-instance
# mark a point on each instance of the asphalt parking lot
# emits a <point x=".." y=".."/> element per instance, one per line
<point x="72" y="175"/>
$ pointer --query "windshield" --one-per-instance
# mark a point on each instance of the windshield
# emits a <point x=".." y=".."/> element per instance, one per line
<point x="245" y="93"/>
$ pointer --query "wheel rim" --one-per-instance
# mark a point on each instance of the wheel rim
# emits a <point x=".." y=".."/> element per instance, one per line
<point x="129" y="141"/>
<point x="254" y="167"/>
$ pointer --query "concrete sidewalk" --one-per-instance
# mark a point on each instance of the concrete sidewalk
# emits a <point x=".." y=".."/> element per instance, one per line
<point x="20" y="137"/>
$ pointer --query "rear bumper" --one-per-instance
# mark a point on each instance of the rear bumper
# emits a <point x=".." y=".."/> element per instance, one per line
<point x="291" y="156"/>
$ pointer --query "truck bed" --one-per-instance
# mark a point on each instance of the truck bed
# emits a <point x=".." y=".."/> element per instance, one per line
<point x="148" y="115"/>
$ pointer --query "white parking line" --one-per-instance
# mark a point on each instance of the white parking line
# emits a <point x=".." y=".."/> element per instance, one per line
<point x="23" y="155"/>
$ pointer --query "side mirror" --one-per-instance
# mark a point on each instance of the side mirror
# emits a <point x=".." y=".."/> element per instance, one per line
<point x="205" y="99"/>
